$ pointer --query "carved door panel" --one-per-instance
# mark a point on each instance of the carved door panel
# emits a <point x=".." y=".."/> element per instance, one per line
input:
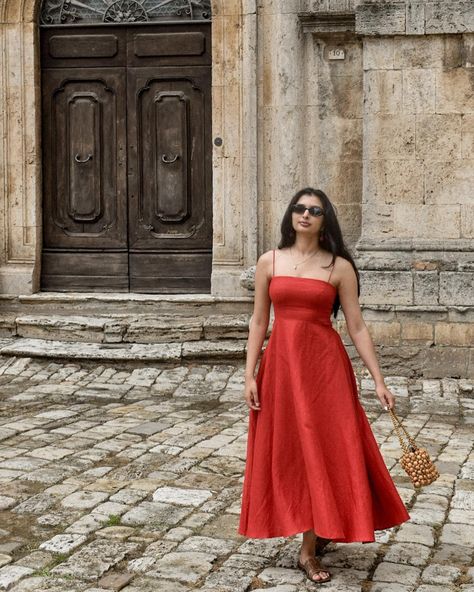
<point x="85" y="180"/>
<point x="169" y="200"/>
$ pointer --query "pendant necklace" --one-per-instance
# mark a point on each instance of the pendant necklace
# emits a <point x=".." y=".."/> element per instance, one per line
<point x="312" y="255"/>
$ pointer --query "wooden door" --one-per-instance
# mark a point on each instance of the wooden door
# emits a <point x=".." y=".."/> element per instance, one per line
<point x="169" y="125"/>
<point x="127" y="158"/>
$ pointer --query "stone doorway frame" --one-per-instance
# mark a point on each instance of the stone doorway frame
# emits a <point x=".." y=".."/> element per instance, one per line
<point x="234" y="133"/>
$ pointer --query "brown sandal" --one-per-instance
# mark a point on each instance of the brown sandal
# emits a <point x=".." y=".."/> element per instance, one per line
<point x="321" y="544"/>
<point x="311" y="567"/>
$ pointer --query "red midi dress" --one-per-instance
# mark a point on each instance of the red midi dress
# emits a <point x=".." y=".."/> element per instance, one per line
<point x="312" y="459"/>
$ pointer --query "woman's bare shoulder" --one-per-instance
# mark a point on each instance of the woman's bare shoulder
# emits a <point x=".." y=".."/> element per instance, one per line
<point x="341" y="262"/>
<point x="343" y="268"/>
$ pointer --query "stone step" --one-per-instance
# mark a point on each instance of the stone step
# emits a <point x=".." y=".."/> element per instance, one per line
<point x="91" y="304"/>
<point x="160" y="352"/>
<point x="144" y="328"/>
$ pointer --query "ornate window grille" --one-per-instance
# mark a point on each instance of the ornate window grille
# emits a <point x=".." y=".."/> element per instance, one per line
<point x="78" y="12"/>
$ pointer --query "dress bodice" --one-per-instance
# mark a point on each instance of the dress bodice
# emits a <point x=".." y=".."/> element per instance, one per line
<point x="299" y="298"/>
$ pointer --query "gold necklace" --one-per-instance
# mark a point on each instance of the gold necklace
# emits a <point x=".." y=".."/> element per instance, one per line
<point x="312" y="255"/>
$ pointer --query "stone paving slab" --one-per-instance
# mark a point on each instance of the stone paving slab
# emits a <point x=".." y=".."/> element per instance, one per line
<point x="129" y="478"/>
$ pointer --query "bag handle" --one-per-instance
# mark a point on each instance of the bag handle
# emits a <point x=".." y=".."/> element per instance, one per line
<point x="397" y="425"/>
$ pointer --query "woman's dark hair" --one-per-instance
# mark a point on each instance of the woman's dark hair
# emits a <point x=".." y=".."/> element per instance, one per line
<point x="330" y="237"/>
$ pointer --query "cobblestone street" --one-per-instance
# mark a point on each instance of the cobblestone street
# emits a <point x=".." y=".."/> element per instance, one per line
<point x="130" y="479"/>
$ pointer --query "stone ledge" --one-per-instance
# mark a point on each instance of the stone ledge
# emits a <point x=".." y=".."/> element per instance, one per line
<point x="415" y="18"/>
<point x="327" y="22"/>
<point x="133" y="329"/>
<point x="415" y="244"/>
<point x="163" y="352"/>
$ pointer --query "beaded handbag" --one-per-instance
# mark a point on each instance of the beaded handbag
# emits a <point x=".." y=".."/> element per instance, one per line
<point x="415" y="461"/>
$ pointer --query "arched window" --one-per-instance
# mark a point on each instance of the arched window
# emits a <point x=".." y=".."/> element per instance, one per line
<point x="85" y="12"/>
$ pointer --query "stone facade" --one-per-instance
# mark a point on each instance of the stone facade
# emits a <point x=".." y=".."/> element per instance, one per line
<point x="373" y="102"/>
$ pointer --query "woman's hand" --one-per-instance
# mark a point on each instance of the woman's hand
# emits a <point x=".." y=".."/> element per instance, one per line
<point x="251" y="394"/>
<point x="385" y="397"/>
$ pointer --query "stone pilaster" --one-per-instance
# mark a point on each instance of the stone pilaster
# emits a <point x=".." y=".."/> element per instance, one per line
<point x="20" y="225"/>
<point x="334" y="113"/>
<point x="234" y="98"/>
<point x="282" y="112"/>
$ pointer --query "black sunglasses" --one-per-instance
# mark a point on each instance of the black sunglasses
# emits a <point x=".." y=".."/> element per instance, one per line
<point x="301" y="209"/>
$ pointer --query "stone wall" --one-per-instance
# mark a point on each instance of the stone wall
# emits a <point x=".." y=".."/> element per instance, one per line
<point x="417" y="236"/>
<point x="387" y="90"/>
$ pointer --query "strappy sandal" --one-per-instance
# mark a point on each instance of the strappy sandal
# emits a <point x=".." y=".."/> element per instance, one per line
<point x="311" y="567"/>
<point x="321" y="544"/>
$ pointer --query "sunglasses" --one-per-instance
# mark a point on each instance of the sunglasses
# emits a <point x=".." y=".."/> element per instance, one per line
<point x="301" y="209"/>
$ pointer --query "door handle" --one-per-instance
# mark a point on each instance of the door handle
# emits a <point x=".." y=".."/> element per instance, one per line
<point x="169" y="160"/>
<point x="78" y="159"/>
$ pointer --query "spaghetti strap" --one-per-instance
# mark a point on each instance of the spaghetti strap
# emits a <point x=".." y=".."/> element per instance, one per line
<point x="273" y="263"/>
<point x="332" y="269"/>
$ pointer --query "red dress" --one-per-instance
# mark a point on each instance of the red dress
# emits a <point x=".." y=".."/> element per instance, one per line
<point x="312" y="459"/>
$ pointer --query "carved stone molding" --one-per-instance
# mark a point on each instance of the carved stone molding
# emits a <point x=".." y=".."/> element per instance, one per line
<point x="325" y="23"/>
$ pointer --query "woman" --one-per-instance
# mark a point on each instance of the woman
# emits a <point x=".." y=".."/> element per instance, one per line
<point x="313" y="464"/>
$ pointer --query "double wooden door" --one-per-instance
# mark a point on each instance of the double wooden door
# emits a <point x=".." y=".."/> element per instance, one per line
<point x="127" y="158"/>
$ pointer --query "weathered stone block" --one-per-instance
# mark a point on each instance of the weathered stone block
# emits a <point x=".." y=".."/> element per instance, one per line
<point x="454" y="91"/>
<point x="417" y="331"/>
<point x="10" y="574"/>
<point x="397" y="287"/>
<point x="226" y="326"/>
<point x="186" y="566"/>
<point x="449" y="17"/>
<point x="67" y="328"/>
<point x="440" y="574"/>
<point x="426" y="221"/>
<point x="63" y="543"/>
<point x="458" y="334"/>
<point x="340" y="94"/>
<point x="458" y="534"/>
<point x="383" y="91"/>
<point x="425" y="52"/>
<point x="438" y="136"/>
<point x="82" y="500"/>
<point x="389" y="136"/>
<point x="90" y="562"/>
<point x="408" y="554"/>
<point x="182" y="497"/>
<point x="380" y="19"/>
<point x="164" y="330"/>
<point x="342" y="179"/>
<point x="456" y="288"/>
<point x="395" y="572"/>
<point x="395" y="181"/>
<point x="419" y="90"/>
<point x="415" y="18"/>
<point x="449" y="182"/>
<point x="384" y="333"/>
<point x="445" y="362"/>
<point x="342" y="138"/>
<point x="155" y="515"/>
<point x="426" y="287"/>
<point x="378" y="54"/>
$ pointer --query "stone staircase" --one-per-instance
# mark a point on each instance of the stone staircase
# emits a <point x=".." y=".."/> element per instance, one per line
<point x="125" y="327"/>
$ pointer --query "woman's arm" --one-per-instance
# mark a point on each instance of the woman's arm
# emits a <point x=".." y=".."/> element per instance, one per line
<point x="258" y="326"/>
<point x="357" y="329"/>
